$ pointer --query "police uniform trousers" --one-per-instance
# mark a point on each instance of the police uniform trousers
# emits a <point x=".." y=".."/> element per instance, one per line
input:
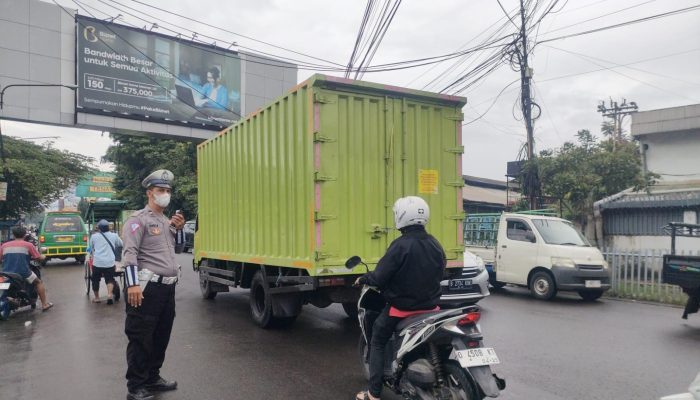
<point x="148" y="329"/>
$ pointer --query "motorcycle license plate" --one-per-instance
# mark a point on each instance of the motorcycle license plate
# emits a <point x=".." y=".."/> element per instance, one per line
<point x="477" y="357"/>
<point x="4" y="285"/>
<point x="459" y="284"/>
<point x="592" y="284"/>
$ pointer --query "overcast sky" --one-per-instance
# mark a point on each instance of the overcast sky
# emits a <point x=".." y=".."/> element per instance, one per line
<point x="667" y="76"/>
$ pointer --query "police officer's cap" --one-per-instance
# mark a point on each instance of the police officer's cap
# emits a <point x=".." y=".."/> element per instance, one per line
<point x="161" y="178"/>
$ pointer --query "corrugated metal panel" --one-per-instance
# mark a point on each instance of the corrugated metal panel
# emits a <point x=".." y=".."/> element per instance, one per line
<point x="644" y="222"/>
<point x="310" y="180"/>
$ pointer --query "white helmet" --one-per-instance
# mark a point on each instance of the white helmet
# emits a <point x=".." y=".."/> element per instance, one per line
<point x="410" y="210"/>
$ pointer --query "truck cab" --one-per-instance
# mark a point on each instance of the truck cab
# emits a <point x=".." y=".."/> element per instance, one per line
<point x="547" y="254"/>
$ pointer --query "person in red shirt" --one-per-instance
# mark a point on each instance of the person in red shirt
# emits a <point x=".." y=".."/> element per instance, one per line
<point x="15" y="256"/>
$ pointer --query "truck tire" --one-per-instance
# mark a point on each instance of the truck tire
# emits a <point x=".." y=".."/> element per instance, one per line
<point x="261" y="305"/>
<point x="590" y="295"/>
<point x="542" y="286"/>
<point x="350" y="309"/>
<point x="205" y="287"/>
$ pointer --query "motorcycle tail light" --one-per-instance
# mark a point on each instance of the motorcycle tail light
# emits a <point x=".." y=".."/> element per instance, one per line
<point x="84" y="238"/>
<point x="470" y="318"/>
<point x="472" y="344"/>
<point x="42" y="239"/>
<point x="2" y="279"/>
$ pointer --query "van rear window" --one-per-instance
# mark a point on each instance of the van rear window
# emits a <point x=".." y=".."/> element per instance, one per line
<point x="63" y="224"/>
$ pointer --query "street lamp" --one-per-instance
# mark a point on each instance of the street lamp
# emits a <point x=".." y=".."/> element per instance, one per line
<point x="2" y="92"/>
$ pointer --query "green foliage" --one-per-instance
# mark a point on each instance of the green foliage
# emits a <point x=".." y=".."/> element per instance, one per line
<point x="136" y="157"/>
<point x="584" y="172"/>
<point x="37" y="175"/>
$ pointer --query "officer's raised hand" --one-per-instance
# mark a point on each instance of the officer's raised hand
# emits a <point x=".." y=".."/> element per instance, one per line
<point x="134" y="295"/>
<point x="177" y="220"/>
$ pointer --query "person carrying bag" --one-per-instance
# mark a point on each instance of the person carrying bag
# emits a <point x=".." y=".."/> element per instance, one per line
<point x="104" y="257"/>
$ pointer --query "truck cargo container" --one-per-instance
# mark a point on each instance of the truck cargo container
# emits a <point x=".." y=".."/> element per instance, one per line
<point x="292" y="191"/>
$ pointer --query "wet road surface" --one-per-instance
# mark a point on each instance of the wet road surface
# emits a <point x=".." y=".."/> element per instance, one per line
<point x="557" y="350"/>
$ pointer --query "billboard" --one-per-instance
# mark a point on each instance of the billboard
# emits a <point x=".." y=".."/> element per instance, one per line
<point x="96" y="186"/>
<point x="128" y="72"/>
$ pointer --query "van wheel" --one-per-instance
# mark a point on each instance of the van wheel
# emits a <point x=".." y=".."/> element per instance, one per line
<point x="590" y="295"/>
<point x="205" y="287"/>
<point x="542" y="286"/>
<point x="80" y="259"/>
<point x="350" y="309"/>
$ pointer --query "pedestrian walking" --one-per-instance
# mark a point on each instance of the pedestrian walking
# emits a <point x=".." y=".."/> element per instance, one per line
<point x="151" y="274"/>
<point x="103" y="249"/>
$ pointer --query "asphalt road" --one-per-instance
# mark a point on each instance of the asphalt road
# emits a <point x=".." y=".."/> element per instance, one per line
<point x="558" y="350"/>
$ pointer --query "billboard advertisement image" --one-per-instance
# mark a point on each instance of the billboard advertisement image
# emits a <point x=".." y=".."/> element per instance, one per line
<point x="140" y="74"/>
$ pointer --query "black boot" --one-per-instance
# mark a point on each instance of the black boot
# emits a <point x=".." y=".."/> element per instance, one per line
<point x="140" y="394"/>
<point x="161" y="385"/>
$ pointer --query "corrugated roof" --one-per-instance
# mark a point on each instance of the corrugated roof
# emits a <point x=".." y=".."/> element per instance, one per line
<point x="671" y="195"/>
<point x="477" y="194"/>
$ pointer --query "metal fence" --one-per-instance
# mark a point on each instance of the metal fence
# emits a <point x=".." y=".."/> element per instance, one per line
<point x="637" y="275"/>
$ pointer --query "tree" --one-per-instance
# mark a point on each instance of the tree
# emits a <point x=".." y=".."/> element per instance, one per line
<point x="37" y="175"/>
<point x="135" y="157"/>
<point x="589" y="170"/>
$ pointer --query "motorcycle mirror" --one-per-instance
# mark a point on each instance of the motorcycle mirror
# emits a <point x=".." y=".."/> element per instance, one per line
<point x="353" y="262"/>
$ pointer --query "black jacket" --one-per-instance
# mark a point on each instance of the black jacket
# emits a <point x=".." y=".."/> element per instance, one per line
<point x="410" y="272"/>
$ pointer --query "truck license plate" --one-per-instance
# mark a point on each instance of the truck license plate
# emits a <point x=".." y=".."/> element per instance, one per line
<point x="4" y="285"/>
<point x="592" y="284"/>
<point x="477" y="357"/>
<point x="458" y="284"/>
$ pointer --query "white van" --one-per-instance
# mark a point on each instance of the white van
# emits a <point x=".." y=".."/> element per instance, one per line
<point x="545" y="254"/>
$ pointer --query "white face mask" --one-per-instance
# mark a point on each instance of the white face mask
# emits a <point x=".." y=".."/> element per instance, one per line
<point x="161" y="200"/>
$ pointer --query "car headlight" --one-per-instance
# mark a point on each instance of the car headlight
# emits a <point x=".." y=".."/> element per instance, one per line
<point x="563" y="262"/>
<point x="480" y="263"/>
<point x="605" y="265"/>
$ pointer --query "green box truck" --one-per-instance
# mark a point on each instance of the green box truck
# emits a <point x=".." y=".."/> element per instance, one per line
<point x="292" y="191"/>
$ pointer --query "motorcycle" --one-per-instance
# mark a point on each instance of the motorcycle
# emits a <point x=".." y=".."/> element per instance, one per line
<point x="15" y="291"/>
<point x="693" y="392"/>
<point x="432" y="355"/>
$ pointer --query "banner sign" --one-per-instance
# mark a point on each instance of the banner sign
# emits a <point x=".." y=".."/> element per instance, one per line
<point x="145" y="75"/>
<point x="95" y="186"/>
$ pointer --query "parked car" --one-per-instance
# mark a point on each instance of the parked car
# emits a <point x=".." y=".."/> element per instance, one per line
<point x="468" y="287"/>
<point x="189" y="229"/>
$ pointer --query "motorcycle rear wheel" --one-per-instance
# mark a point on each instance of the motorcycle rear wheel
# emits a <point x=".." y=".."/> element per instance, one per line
<point x="459" y="383"/>
<point x="363" y="349"/>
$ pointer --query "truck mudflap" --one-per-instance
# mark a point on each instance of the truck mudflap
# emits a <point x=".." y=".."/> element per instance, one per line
<point x="490" y="384"/>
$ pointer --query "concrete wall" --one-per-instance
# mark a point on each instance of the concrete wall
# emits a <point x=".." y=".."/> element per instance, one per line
<point x="673" y="155"/>
<point x="670" y="140"/>
<point x="643" y="243"/>
<point x="37" y="45"/>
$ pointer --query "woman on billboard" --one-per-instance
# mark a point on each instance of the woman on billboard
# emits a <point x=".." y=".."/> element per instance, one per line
<point x="214" y="91"/>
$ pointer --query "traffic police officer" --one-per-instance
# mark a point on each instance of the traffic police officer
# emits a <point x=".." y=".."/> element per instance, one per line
<point x="151" y="274"/>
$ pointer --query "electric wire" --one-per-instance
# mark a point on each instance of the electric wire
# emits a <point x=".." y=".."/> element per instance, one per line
<point x="235" y="33"/>
<point x="601" y="16"/>
<point x="622" y="24"/>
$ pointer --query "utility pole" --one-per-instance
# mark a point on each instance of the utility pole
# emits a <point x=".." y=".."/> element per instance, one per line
<point x="526" y="100"/>
<point x="617" y="112"/>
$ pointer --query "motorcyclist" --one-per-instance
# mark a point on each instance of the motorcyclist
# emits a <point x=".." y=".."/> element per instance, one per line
<point x="408" y="276"/>
<point x="15" y="256"/>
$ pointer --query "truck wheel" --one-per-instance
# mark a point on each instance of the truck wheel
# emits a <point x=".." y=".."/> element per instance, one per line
<point x="590" y="295"/>
<point x="205" y="287"/>
<point x="350" y="309"/>
<point x="542" y="286"/>
<point x="261" y="304"/>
